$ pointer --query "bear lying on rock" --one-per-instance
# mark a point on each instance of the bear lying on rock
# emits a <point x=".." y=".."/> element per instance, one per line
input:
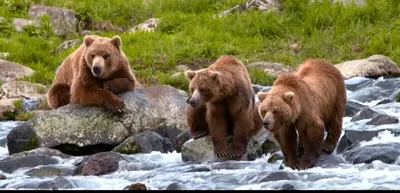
<point x="93" y="75"/>
<point x="311" y="100"/>
<point x="222" y="103"/>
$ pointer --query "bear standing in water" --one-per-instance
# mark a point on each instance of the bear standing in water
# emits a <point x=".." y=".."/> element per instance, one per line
<point x="223" y="103"/>
<point x="311" y="100"/>
<point x="93" y="75"/>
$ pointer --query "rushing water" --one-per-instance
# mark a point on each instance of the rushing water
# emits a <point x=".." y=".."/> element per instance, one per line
<point x="158" y="170"/>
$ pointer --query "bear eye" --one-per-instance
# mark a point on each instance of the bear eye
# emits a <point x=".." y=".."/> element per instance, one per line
<point x="106" y="56"/>
<point x="263" y="112"/>
<point x="92" y="56"/>
<point x="202" y="90"/>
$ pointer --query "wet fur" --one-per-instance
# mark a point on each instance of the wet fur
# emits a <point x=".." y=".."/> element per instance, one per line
<point x="230" y="111"/>
<point x="318" y="104"/>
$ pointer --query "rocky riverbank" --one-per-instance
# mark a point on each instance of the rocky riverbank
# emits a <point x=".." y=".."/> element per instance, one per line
<point x="76" y="149"/>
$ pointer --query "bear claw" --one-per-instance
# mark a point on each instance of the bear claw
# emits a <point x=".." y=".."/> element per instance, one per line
<point x="234" y="155"/>
<point x="229" y="155"/>
<point x="326" y="150"/>
<point x="223" y="155"/>
<point x="325" y="147"/>
<point x="125" y="109"/>
<point x="116" y="107"/>
<point x="237" y="151"/>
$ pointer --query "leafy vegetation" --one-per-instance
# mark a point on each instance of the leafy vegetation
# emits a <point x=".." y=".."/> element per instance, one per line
<point x="190" y="34"/>
<point x="17" y="114"/>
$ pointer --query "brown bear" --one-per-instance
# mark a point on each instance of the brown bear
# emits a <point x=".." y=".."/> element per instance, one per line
<point x="311" y="100"/>
<point x="92" y="75"/>
<point x="222" y="103"/>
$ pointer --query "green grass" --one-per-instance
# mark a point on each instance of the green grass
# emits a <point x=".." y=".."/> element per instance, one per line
<point x="20" y="115"/>
<point x="17" y="114"/>
<point x="189" y="34"/>
<point x="24" y="116"/>
<point x="18" y="105"/>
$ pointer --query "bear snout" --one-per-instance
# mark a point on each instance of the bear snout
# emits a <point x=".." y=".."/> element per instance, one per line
<point x="266" y="123"/>
<point x="97" y="70"/>
<point x="193" y="102"/>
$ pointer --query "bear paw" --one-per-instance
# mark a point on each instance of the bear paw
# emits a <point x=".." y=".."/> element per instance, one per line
<point x="305" y="164"/>
<point x="327" y="147"/>
<point x="236" y="152"/>
<point x="199" y="134"/>
<point x="116" y="106"/>
<point x="109" y="86"/>
<point x="293" y="165"/>
<point x="222" y="154"/>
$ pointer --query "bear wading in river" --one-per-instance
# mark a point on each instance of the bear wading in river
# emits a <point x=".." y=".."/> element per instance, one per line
<point x="222" y="103"/>
<point x="310" y="101"/>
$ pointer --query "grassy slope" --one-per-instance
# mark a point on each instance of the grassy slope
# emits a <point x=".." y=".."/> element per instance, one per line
<point x="188" y="34"/>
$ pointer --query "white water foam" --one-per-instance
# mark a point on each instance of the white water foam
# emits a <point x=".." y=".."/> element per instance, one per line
<point x="158" y="170"/>
<point x="383" y="137"/>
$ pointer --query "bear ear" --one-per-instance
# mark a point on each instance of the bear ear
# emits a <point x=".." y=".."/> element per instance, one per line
<point x="88" y="40"/>
<point x="116" y="41"/>
<point x="215" y="75"/>
<point x="190" y="74"/>
<point x="262" y="95"/>
<point x="288" y="96"/>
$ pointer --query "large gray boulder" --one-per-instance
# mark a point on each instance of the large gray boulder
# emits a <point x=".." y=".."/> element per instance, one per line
<point x="78" y="130"/>
<point x="371" y="67"/>
<point x="260" y="5"/>
<point x="62" y="20"/>
<point x="33" y="158"/>
<point x="149" y="25"/>
<point x="273" y="69"/>
<point x="202" y="149"/>
<point x="20" y="23"/>
<point x="24" y="90"/>
<point x="10" y="71"/>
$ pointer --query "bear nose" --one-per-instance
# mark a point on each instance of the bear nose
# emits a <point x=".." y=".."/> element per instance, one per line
<point x="96" y="70"/>
<point x="266" y="124"/>
<point x="193" y="103"/>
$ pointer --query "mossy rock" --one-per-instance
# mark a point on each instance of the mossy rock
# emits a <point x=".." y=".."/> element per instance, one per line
<point x="129" y="146"/>
<point x="145" y="142"/>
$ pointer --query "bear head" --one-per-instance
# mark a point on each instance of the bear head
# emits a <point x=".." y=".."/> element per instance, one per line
<point x="276" y="109"/>
<point x="102" y="55"/>
<point x="204" y="86"/>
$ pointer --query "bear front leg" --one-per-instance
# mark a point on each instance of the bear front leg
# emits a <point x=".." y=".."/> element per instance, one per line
<point x="196" y="118"/>
<point x="243" y="124"/>
<point x="287" y="138"/>
<point x="312" y="135"/>
<point x="218" y="126"/>
<point x="334" y="129"/>
<point x="59" y="95"/>
<point x="97" y="97"/>
<point x="119" y="85"/>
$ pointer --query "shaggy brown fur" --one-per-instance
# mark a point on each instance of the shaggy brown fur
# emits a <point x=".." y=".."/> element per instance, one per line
<point x="311" y="100"/>
<point x="93" y="75"/>
<point x="223" y="103"/>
